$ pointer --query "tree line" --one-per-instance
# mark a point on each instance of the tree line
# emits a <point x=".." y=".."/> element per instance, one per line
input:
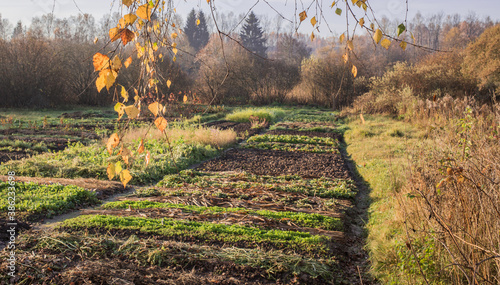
<point x="49" y="63"/>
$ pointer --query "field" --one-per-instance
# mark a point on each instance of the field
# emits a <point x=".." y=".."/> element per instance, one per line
<point x="270" y="205"/>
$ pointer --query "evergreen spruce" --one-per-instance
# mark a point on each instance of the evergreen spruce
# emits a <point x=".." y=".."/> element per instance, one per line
<point x="252" y="36"/>
<point x="197" y="34"/>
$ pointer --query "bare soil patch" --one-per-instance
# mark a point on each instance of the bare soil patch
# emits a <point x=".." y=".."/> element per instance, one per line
<point x="274" y="162"/>
<point x="12" y="155"/>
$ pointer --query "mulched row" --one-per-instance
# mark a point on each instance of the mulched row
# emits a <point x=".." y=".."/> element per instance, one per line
<point x="306" y="133"/>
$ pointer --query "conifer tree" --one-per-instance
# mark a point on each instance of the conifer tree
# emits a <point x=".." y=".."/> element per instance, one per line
<point x="196" y="32"/>
<point x="252" y="36"/>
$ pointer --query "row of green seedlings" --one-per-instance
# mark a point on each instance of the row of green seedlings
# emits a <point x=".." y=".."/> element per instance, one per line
<point x="319" y="187"/>
<point x="305" y="116"/>
<point x="286" y="126"/>
<point x="34" y="201"/>
<point x="203" y="231"/>
<point x="80" y="161"/>
<point x="25" y="146"/>
<point x="300" y="219"/>
<point x="293" y="143"/>
<point x="154" y="252"/>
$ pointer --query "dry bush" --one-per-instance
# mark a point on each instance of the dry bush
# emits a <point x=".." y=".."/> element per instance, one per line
<point x="190" y="135"/>
<point x="325" y="80"/>
<point x="451" y="204"/>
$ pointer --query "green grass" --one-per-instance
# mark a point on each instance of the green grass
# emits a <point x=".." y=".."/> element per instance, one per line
<point x="294" y="139"/>
<point x="321" y="187"/>
<point x="309" y="117"/>
<point x="381" y="159"/>
<point x="243" y="115"/>
<point x="18" y="145"/>
<point x="47" y="200"/>
<point x="203" y="230"/>
<point x="91" y="162"/>
<point x="301" y="219"/>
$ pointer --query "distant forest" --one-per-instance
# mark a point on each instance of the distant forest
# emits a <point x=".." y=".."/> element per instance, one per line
<point x="48" y="62"/>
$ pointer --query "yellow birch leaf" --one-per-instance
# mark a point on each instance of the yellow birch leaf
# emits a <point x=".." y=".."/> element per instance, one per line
<point x="350" y="44"/>
<point x="110" y="78"/>
<point x="132" y="111"/>
<point x="111" y="171"/>
<point x="174" y="35"/>
<point x="312" y="36"/>
<point x="128" y="62"/>
<point x="342" y="38"/>
<point x="333" y="4"/>
<point x="144" y="12"/>
<point x="122" y="23"/>
<point x="345" y="57"/>
<point x="403" y="45"/>
<point x="114" y="34"/>
<point x="169" y="83"/>
<point x="125" y="177"/>
<point x="127" y="2"/>
<point x="377" y="36"/>
<point x="302" y="16"/>
<point x="197" y="22"/>
<point x="386" y="43"/>
<point x="113" y="142"/>
<point x="354" y="71"/>
<point x="118" y="168"/>
<point x="100" y="83"/>
<point x="313" y="21"/>
<point x="129" y="19"/>
<point x="185" y="99"/>
<point x="140" y="149"/>
<point x="161" y="123"/>
<point x="155" y="108"/>
<point x="124" y="94"/>
<point x="100" y="61"/>
<point x="361" y="22"/>
<point x="116" y="63"/>
<point x="119" y="108"/>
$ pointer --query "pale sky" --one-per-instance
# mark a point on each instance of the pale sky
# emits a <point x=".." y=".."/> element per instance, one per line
<point x="25" y="10"/>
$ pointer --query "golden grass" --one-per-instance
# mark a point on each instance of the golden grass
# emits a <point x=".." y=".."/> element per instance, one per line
<point x="190" y="135"/>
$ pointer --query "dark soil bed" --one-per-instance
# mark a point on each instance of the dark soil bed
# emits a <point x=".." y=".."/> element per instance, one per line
<point x="305" y="133"/>
<point x="48" y="132"/>
<point x="274" y="162"/>
<point x="242" y="129"/>
<point x="12" y="155"/>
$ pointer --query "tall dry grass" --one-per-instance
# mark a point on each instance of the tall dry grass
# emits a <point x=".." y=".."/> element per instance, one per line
<point x="190" y="135"/>
<point x="451" y="203"/>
